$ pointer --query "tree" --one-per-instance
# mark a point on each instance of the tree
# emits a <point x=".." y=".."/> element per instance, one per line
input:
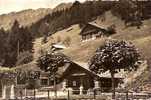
<point x="32" y="77"/>
<point x="113" y="56"/>
<point x="3" y="36"/>
<point x="50" y="62"/>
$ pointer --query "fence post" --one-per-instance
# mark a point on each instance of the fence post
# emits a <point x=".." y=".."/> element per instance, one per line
<point x="132" y="95"/>
<point x="34" y="94"/>
<point x="48" y="94"/>
<point x="68" y="94"/>
<point x="127" y="95"/>
<point x="94" y="94"/>
<point x="21" y="94"/>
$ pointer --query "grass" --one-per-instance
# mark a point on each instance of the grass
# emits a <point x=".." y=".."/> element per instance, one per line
<point x="83" y="51"/>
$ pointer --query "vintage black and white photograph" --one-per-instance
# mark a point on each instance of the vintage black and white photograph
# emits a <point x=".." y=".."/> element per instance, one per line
<point x="75" y="49"/>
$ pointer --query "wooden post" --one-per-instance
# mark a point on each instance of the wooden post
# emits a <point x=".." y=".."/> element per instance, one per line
<point x="48" y="94"/>
<point x="113" y="85"/>
<point x="81" y="90"/>
<point x="127" y="95"/>
<point x="12" y="92"/>
<point x="94" y="94"/>
<point x="4" y="92"/>
<point x="34" y="94"/>
<point x="25" y="90"/>
<point x="55" y="88"/>
<point x="21" y="95"/>
<point x="68" y="94"/>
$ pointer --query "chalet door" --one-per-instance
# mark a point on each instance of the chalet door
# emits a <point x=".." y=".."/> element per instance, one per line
<point x="106" y="84"/>
<point x="87" y="83"/>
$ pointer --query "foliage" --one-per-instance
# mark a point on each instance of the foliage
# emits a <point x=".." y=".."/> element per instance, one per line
<point x="115" y="55"/>
<point x="111" y="29"/>
<point x="131" y="12"/>
<point x="16" y="40"/>
<point x="76" y="14"/>
<point x="51" y="62"/>
<point x="32" y="80"/>
<point x="24" y="58"/>
<point x="88" y="11"/>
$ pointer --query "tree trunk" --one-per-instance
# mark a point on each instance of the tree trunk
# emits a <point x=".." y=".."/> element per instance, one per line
<point x="55" y="89"/>
<point x="113" y="85"/>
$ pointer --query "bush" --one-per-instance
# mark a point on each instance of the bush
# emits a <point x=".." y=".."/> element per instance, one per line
<point x="24" y="58"/>
<point x="111" y="29"/>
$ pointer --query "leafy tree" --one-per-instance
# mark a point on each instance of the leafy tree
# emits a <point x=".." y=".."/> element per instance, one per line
<point x="32" y="77"/>
<point x="50" y="62"/>
<point x="113" y="56"/>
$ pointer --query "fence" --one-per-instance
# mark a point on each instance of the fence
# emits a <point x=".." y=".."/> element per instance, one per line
<point x="82" y="95"/>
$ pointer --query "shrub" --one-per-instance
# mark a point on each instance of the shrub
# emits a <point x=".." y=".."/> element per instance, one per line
<point x="111" y="29"/>
<point x="24" y="58"/>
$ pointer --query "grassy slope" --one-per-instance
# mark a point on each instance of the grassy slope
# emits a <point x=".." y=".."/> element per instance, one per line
<point x="82" y="51"/>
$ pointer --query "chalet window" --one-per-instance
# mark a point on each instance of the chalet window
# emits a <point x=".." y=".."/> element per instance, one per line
<point x="44" y="81"/>
<point x="74" y="83"/>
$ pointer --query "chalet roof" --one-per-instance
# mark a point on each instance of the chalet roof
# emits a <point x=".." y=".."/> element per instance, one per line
<point x="62" y="70"/>
<point x="33" y="67"/>
<point x="106" y="74"/>
<point x="92" y="28"/>
<point x="96" y="25"/>
<point x="59" y="46"/>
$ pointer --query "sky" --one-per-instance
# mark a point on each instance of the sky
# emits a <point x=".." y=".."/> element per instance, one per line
<point x="7" y="6"/>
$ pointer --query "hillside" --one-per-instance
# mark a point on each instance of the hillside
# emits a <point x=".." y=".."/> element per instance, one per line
<point x="25" y="18"/>
<point x="82" y="51"/>
<point x="140" y="37"/>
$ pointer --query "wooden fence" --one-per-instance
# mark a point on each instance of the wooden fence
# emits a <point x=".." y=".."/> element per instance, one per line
<point x="87" y="95"/>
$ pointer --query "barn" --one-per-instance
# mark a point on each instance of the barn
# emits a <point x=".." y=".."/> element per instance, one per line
<point x="92" y="31"/>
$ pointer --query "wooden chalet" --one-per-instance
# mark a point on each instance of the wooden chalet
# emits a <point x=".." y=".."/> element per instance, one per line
<point x="77" y="76"/>
<point x="92" y="31"/>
